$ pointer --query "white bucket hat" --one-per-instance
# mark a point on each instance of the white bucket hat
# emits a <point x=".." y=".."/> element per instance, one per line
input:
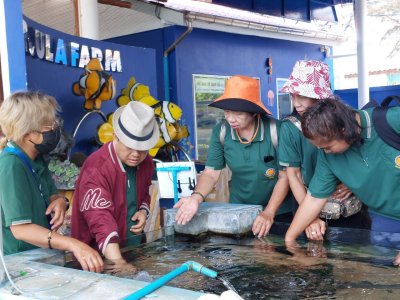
<point x="309" y="78"/>
<point x="135" y="126"/>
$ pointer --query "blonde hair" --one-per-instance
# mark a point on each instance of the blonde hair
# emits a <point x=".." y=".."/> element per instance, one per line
<point x="24" y="112"/>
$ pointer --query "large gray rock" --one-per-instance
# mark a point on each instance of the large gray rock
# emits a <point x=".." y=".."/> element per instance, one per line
<point x="216" y="217"/>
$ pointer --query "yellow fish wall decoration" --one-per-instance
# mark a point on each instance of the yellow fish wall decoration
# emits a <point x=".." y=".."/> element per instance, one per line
<point x="167" y="115"/>
<point x="136" y="91"/>
<point x="105" y="131"/>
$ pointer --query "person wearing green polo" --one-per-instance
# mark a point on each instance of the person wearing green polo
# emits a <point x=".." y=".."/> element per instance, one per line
<point x="245" y="144"/>
<point x="358" y="157"/>
<point x="31" y="208"/>
<point x="308" y="83"/>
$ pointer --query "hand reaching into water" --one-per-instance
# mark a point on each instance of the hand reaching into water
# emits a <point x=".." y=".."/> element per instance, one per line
<point x="119" y="267"/>
<point x="316" y="230"/>
<point x="396" y="261"/>
<point x="262" y="224"/>
<point x="187" y="208"/>
<point x="315" y="249"/>
<point x="89" y="258"/>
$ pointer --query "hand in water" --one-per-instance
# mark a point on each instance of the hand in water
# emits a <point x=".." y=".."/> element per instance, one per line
<point x="263" y="245"/>
<point x="307" y="256"/>
<point x="316" y="249"/>
<point x="119" y="267"/>
<point x="396" y="261"/>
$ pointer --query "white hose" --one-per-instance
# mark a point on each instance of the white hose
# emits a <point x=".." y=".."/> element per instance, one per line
<point x="9" y="277"/>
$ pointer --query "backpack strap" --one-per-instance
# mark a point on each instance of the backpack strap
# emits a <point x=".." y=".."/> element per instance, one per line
<point x="368" y="119"/>
<point x="383" y="128"/>
<point x="388" y="99"/>
<point x="370" y="104"/>
<point x="274" y="132"/>
<point x="272" y="127"/>
<point x="295" y="121"/>
<point x="222" y="132"/>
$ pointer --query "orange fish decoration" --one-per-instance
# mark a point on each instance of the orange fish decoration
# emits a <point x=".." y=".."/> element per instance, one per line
<point x="95" y="85"/>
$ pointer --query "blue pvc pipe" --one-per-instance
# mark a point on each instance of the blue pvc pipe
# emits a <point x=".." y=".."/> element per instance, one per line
<point x="199" y="268"/>
<point x="189" y="265"/>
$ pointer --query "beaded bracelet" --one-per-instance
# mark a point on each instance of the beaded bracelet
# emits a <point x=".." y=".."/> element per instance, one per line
<point x="201" y="195"/>
<point x="49" y="238"/>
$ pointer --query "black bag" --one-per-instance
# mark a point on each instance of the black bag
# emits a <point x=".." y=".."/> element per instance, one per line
<point x="382" y="127"/>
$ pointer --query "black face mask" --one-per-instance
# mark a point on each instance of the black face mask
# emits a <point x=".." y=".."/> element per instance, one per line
<point x="50" y="141"/>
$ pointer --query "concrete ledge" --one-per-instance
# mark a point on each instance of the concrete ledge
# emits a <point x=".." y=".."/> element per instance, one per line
<point x="45" y="281"/>
<point x="222" y="218"/>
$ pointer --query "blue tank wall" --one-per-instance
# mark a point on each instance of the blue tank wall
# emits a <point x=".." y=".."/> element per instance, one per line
<point x="57" y="80"/>
<point x="350" y="96"/>
<point x="219" y="53"/>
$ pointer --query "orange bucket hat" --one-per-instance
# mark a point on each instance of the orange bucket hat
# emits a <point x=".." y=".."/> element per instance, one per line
<point x="241" y="93"/>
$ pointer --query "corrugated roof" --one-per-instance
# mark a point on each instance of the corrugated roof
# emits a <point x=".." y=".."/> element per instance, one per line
<point x="143" y="16"/>
<point x="375" y="72"/>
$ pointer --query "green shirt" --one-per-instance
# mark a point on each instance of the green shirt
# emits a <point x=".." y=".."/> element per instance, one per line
<point x="296" y="151"/>
<point x="130" y="198"/>
<point x="371" y="170"/>
<point x="20" y="198"/>
<point x="254" y="166"/>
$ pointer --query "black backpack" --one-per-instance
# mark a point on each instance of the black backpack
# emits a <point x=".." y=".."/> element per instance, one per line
<point x="382" y="126"/>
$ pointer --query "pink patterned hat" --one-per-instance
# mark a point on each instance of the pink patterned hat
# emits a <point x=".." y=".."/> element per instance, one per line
<point x="309" y="78"/>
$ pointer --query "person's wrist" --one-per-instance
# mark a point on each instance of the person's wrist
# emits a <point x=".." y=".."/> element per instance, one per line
<point x="268" y="213"/>
<point x="117" y="260"/>
<point x="198" y="196"/>
<point x="289" y="238"/>
<point x="145" y="211"/>
<point x="66" y="200"/>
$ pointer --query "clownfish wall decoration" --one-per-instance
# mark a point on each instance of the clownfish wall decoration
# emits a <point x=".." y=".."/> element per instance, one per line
<point x="94" y="85"/>
<point x="167" y="115"/>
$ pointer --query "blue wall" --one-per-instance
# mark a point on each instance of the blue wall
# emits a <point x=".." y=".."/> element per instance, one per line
<point x="15" y="45"/>
<point x="57" y="80"/>
<point x="153" y="39"/>
<point x="350" y="96"/>
<point x="219" y="53"/>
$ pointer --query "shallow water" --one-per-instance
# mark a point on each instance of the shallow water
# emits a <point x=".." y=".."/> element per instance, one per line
<point x="344" y="267"/>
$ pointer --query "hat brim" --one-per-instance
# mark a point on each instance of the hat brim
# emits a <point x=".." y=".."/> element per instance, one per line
<point x="133" y="144"/>
<point x="238" y="104"/>
<point x="286" y="88"/>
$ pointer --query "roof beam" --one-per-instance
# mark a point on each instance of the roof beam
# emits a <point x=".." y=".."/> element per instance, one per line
<point x="118" y="3"/>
